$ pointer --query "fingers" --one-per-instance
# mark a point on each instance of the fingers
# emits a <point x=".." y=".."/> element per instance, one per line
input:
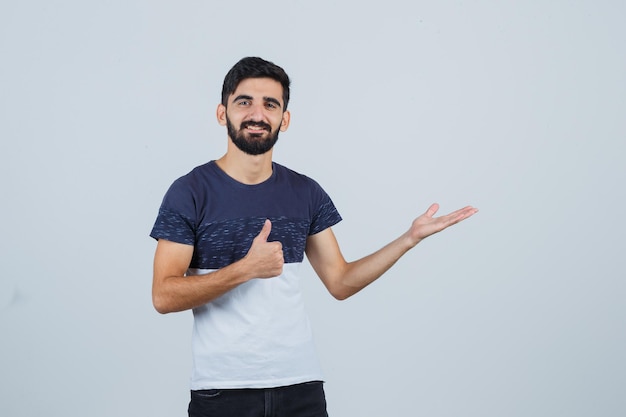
<point x="466" y="211"/>
<point x="265" y="231"/>
<point x="450" y="218"/>
<point x="265" y="259"/>
<point x="432" y="210"/>
<point x="461" y="214"/>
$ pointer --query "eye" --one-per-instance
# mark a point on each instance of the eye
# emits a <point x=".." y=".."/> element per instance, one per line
<point x="243" y="103"/>
<point x="271" y="105"/>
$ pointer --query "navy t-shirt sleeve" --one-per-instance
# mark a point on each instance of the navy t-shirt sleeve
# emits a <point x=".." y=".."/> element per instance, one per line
<point x="176" y="219"/>
<point x="325" y="213"/>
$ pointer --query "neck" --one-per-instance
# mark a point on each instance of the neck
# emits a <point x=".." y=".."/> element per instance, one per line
<point x="247" y="169"/>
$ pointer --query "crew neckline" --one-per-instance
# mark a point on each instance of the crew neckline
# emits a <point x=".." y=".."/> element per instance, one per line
<point x="235" y="182"/>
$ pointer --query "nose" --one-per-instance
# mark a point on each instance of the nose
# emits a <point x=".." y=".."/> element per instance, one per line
<point x="256" y="112"/>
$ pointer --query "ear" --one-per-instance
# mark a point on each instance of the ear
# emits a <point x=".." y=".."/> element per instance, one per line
<point x="221" y="114"/>
<point x="284" y="124"/>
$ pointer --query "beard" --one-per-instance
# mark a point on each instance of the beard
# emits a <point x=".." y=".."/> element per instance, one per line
<point x="252" y="143"/>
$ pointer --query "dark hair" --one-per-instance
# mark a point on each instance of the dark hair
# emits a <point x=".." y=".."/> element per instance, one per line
<point x="253" y="67"/>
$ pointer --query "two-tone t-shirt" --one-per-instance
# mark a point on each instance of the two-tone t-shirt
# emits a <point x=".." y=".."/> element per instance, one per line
<point x="258" y="334"/>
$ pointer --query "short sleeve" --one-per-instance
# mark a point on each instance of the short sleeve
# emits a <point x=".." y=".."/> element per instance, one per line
<point x="173" y="226"/>
<point x="326" y="214"/>
<point x="176" y="219"/>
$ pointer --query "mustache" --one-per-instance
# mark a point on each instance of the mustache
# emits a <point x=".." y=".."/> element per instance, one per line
<point x="260" y="124"/>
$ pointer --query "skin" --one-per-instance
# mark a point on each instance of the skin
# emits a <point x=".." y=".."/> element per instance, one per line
<point x="260" y="99"/>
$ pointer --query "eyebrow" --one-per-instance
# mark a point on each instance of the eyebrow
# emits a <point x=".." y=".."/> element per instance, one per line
<point x="247" y="97"/>
<point x="242" y="97"/>
<point x="272" y="100"/>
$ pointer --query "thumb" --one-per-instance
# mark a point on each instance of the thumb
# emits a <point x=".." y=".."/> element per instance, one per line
<point x="265" y="231"/>
<point x="432" y="210"/>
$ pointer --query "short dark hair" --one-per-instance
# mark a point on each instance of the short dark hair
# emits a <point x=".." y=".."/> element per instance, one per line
<point x="254" y="67"/>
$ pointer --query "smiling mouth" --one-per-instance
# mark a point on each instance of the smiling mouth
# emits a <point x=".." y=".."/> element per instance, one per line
<point x="256" y="127"/>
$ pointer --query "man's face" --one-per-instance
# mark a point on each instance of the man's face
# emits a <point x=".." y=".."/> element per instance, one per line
<point x="255" y="115"/>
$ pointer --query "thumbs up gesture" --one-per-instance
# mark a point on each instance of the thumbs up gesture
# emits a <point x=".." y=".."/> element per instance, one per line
<point x="265" y="258"/>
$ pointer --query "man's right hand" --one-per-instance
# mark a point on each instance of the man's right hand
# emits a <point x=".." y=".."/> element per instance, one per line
<point x="265" y="259"/>
<point x="173" y="290"/>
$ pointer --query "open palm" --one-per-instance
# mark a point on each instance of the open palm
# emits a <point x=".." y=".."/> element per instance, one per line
<point x="427" y="225"/>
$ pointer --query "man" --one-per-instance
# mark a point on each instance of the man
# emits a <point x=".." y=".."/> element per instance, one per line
<point x="231" y="235"/>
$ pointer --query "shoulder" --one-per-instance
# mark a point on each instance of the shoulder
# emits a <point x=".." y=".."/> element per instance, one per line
<point x="287" y="174"/>
<point x="199" y="174"/>
<point x="302" y="187"/>
<point x="190" y="187"/>
<point x="196" y="179"/>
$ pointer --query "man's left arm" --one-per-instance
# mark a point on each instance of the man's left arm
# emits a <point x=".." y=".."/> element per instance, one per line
<point x="344" y="279"/>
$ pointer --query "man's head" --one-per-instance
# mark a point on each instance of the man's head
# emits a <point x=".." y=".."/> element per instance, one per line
<point x="253" y="67"/>
<point x="254" y="105"/>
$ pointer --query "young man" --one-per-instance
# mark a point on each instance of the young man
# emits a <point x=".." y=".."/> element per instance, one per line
<point x="231" y="236"/>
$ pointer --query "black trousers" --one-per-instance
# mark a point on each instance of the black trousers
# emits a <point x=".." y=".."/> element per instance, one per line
<point x="301" y="400"/>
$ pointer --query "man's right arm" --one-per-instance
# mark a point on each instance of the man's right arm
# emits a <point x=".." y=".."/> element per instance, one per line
<point x="173" y="291"/>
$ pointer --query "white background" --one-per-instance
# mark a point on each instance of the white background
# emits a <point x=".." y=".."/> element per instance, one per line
<point x="516" y="107"/>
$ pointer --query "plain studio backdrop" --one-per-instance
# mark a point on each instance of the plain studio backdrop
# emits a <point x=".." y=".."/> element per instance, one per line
<point x="516" y="107"/>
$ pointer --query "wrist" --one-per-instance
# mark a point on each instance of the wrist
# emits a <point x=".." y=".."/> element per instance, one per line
<point x="409" y="241"/>
<point x="241" y="271"/>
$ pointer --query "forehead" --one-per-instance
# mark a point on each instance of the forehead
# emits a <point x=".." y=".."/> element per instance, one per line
<point x="259" y="88"/>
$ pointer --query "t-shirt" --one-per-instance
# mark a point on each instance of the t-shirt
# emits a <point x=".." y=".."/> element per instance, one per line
<point x="258" y="334"/>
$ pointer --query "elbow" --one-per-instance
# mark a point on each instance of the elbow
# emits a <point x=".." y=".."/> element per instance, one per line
<point x="342" y="290"/>
<point x="161" y="309"/>
<point x="341" y="294"/>
<point x="339" y="289"/>
<point x="160" y="304"/>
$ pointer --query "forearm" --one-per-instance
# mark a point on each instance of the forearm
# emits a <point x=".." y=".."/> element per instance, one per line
<point x="356" y="275"/>
<point x="178" y="293"/>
